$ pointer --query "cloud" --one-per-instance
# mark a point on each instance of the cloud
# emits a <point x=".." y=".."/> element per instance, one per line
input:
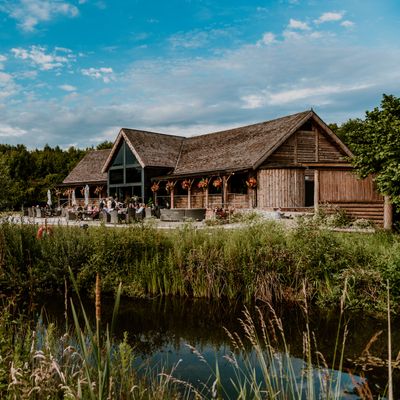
<point x="296" y="24"/>
<point x="38" y="57"/>
<point x="192" y="95"/>
<point x="68" y="88"/>
<point x="268" y="38"/>
<point x="11" y="131"/>
<point x="7" y="85"/>
<point x="347" y="24"/>
<point x="29" y="13"/>
<point x="106" y="74"/>
<point x="3" y="59"/>
<point x="329" y="17"/>
<point x="195" y="39"/>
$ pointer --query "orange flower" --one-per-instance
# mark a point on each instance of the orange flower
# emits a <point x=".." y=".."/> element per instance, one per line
<point x="251" y="183"/>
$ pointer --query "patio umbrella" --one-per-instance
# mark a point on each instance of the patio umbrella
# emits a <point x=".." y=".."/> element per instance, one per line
<point x="49" y="202"/>
<point x="73" y="199"/>
<point x="86" y="195"/>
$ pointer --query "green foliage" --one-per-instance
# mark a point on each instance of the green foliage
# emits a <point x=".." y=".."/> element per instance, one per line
<point x="375" y="143"/>
<point x="259" y="261"/>
<point x="104" y="145"/>
<point x="25" y="176"/>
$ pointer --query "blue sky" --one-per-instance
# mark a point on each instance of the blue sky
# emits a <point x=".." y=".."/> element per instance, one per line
<point x="73" y="72"/>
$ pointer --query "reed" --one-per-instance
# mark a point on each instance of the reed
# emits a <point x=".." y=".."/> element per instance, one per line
<point x="260" y="261"/>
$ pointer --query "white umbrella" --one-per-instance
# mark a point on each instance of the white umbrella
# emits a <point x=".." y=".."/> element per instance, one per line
<point x="86" y="195"/>
<point x="49" y="202"/>
<point x="73" y="199"/>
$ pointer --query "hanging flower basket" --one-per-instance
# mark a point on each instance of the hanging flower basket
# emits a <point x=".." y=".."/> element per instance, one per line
<point x="251" y="183"/>
<point x="68" y="192"/>
<point x="155" y="187"/>
<point x="98" y="190"/>
<point x="170" y="186"/>
<point x="217" y="183"/>
<point x="203" y="184"/>
<point x="186" y="184"/>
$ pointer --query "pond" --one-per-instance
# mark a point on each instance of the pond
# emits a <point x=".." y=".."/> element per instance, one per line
<point x="190" y="336"/>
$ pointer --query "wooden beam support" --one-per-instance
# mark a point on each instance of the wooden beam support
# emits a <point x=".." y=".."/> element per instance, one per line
<point x="388" y="214"/>
<point x="316" y="190"/>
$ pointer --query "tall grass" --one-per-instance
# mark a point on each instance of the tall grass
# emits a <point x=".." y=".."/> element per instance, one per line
<point x="261" y="261"/>
<point x="90" y="364"/>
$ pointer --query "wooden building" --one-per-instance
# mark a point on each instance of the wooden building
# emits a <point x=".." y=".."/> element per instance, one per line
<point x="294" y="163"/>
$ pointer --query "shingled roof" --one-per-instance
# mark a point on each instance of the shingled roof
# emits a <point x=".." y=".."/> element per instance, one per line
<point x="238" y="148"/>
<point x="150" y="148"/>
<point x="234" y="149"/>
<point x="88" y="170"/>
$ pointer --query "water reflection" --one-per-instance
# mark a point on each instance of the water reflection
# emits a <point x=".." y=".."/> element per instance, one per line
<point x="160" y="330"/>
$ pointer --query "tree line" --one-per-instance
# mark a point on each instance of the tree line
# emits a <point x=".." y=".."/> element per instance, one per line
<point x="26" y="175"/>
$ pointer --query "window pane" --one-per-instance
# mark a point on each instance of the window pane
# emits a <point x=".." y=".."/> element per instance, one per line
<point x="129" y="157"/>
<point x="133" y="175"/>
<point x="119" y="158"/>
<point x="116" y="176"/>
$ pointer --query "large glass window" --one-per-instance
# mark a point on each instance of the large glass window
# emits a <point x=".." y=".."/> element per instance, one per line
<point x="129" y="157"/>
<point x="133" y="175"/>
<point x="119" y="159"/>
<point x="116" y="176"/>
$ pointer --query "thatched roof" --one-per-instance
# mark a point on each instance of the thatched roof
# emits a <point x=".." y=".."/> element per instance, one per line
<point x="88" y="170"/>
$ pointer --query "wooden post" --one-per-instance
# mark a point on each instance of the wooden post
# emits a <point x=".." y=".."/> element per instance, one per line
<point x="172" y="197"/>
<point x="316" y="190"/>
<point x="206" y="194"/>
<point x="155" y="199"/>
<point x="224" y="191"/>
<point x="388" y="214"/>
<point x="189" y="197"/>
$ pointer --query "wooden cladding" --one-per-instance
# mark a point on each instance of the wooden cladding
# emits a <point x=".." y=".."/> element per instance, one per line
<point x="343" y="186"/>
<point x="281" y="188"/>
<point x="305" y="147"/>
<point x="369" y="211"/>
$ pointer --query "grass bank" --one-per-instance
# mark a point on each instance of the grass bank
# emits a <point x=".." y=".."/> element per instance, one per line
<point x="261" y="261"/>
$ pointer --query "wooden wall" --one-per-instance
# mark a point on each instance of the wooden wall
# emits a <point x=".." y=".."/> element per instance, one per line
<point x="281" y="188"/>
<point x="344" y="186"/>
<point x="306" y="146"/>
<point x="358" y="197"/>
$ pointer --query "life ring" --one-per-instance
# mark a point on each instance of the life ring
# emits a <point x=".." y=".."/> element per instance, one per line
<point x="44" y="231"/>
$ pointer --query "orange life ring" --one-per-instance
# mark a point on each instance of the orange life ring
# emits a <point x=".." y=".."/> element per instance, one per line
<point x="43" y="231"/>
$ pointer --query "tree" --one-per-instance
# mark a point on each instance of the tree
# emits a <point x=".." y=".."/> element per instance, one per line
<point x="104" y="145"/>
<point x="375" y="143"/>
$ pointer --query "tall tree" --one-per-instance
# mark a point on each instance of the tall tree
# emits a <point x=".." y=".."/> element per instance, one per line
<point x="375" y="143"/>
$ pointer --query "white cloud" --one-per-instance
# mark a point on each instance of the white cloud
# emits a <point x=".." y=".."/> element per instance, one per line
<point x="253" y="101"/>
<point x="347" y="24"/>
<point x="38" y="57"/>
<point x="68" y="88"/>
<point x="29" y="13"/>
<point x="329" y="17"/>
<point x="312" y="93"/>
<point x="9" y="131"/>
<point x="106" y="74"/>
<point x="7" y="85"/>
<point x="195" y="39"/>
<point x="3" y="59"/>
<point x="268" y="38"/>
<point x="296" y="24"/>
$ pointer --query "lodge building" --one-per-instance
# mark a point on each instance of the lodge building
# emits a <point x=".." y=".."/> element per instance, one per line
<point x="294" y="163"/>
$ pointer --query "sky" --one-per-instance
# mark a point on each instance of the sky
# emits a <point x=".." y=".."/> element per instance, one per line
<point x="73" y="72"/>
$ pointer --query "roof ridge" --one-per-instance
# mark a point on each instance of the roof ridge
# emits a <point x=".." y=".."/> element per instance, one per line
<point x="154" y="133"/>
<point x="248" y="126"/>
